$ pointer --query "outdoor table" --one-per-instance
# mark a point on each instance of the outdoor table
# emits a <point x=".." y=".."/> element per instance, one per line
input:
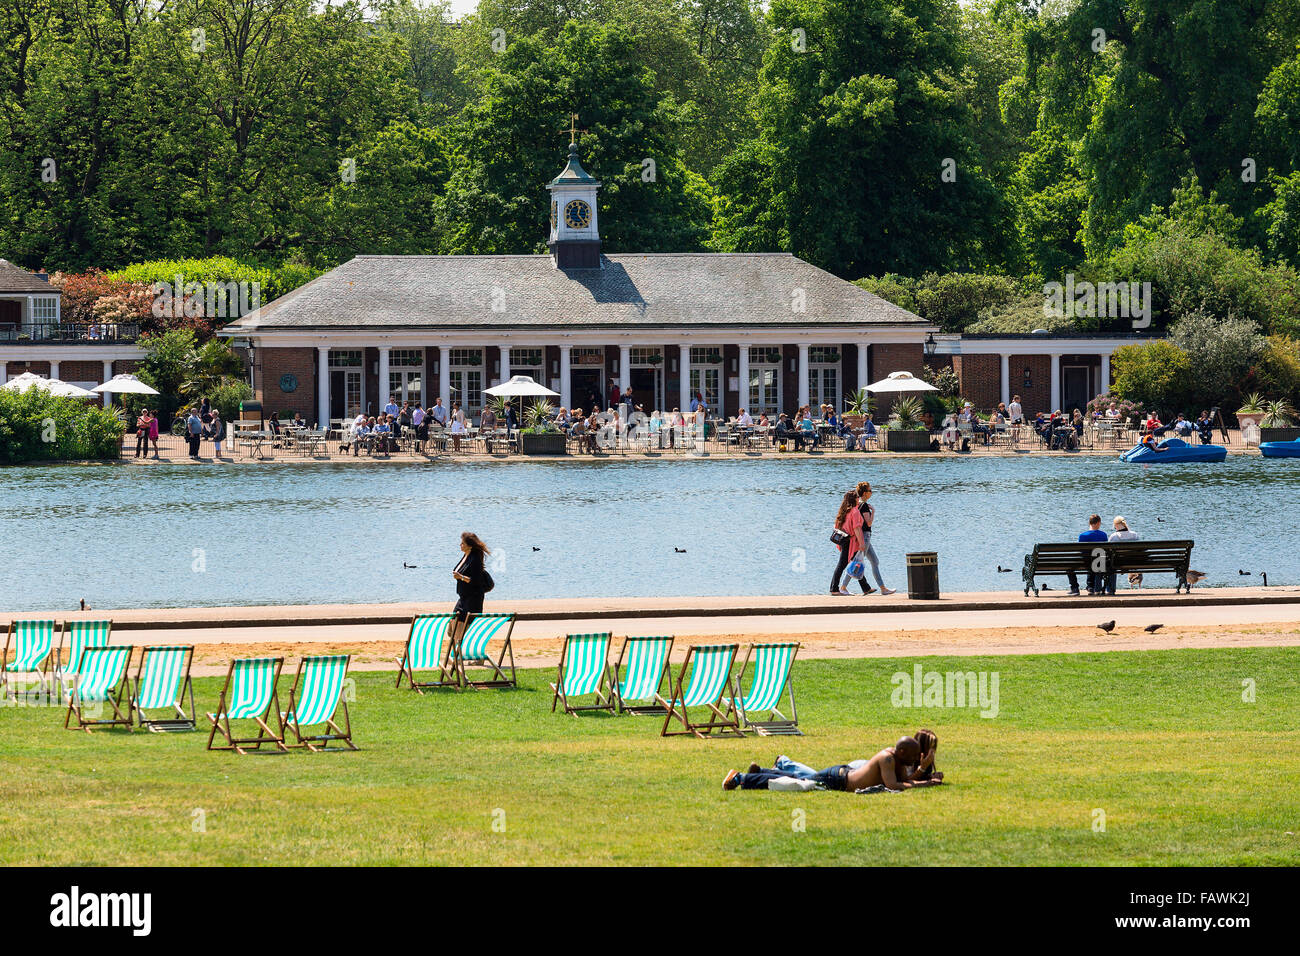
<point x="253" y="441"/>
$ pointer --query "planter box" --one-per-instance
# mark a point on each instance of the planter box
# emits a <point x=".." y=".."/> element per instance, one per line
<point x="542" y="444"/>
<point x="1279" y="434"/>
<point x="906" y="441"/>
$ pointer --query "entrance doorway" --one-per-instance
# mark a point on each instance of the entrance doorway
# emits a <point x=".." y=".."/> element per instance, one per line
<point x="345" y="393"/>
<point x="1075" y="391"/>
<point x="645" y="388"/>
<point x="586" y="386"/>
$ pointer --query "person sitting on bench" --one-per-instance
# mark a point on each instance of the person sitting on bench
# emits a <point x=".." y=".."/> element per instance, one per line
<point x="1094" y="533"/>
<point x="1205" y="426"/>
<point x="894" y="768"/>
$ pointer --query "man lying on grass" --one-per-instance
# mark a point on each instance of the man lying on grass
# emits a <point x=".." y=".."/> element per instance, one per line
<point x="907" y="764"/>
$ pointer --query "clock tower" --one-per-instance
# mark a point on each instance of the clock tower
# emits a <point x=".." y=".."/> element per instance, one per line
<point x="574" y="238"/>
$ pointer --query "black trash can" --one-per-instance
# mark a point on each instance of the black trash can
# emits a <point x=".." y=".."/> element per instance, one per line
<point x="923" y="576"/>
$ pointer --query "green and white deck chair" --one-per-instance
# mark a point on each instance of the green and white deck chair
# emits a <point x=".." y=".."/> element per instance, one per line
<point x="471" y="650"/>
<point x="250" y="694"/>
<point x="584" y="672"/>
<point x="771" y="676"/>
<point x="75" y="637"/>
<point x="163" y="680"/>
<point x="315" y="699"/>
<point x="710" y="669"/>
<point x="31" y="641"/>
<point x="101" y="682"/>
<point x="428" y="647"/>
<point x="643" y="662"/>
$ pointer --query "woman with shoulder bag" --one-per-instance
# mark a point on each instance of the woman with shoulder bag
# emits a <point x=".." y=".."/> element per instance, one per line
<point x="868" y="518"/>
<point x="472" y="578"/>
<point x="847" y="536"/>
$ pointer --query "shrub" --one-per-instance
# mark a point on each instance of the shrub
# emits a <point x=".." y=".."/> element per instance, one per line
<point x="1221" y="354"/>
<point x="35" y="426"/>
<point x="1152" y="374"/>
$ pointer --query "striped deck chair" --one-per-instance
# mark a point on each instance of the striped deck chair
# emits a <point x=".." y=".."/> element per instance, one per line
<point x="710" y="667"/>
<point x="31" y="641"/>
<point x="428" y="646"/>
<point x="771" y="676"/>
<point x="646" y="663"/>
<point x="163" y="680"/>
<point x="250" y="693"/>
<point x="471" y="650"/>
<point x="315" y="698"/>
<point x="75" y="637"/>
<point x="101" y="680"/>
<point x="583" y="671"/>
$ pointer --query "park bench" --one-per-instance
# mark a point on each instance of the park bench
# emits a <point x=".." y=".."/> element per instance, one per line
<point x="1108" y="557"/>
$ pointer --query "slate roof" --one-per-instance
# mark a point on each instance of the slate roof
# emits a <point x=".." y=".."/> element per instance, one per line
<point x="651" y="291"/>
<point x="17" y="279"/>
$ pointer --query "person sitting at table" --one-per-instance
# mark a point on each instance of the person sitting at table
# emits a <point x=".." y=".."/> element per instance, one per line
<point x="562" y="420"/>
<point x="1153" y="425"/>
<point x="1003" y="413"/>
<point x="1077" y="422"/>
<point x="382" y="433"/>
<point x="1182" y="427"/>
<point x="786" y="432"/>
<point x="360" y="435"/>
<point x="457" y="431"/>
<point x="807" y="428"/>
<point x="744" y="419"/>
<point x="976" y="426"/>
<point x="487" y="420"/>
<point x="299" y="421"/>
<point x="949" y="434"/>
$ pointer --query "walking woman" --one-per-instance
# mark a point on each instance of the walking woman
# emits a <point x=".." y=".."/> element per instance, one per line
<point x="472" y="578"/>
<point x="868" y="519"/>
<point x="848" y="536"/>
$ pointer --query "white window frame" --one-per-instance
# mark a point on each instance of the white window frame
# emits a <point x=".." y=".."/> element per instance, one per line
<point x="460" y="364"/>
<point x="762" y="361"/>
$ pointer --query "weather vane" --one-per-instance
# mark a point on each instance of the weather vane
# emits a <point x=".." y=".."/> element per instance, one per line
<point x="573" y="129"/>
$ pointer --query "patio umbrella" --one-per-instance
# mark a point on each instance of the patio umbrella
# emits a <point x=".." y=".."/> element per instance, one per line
<point x="901" y="382"/>
<point x="52" y="385"/>
<point x="521" y="387"/>
<point x="125" y="382"/>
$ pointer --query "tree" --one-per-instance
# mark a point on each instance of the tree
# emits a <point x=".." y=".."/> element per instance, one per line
<point x="1153" y="374"/>
<point x="509" y="143"/>
<point x="1221" y="354"/>
<point x="864" y="161"/>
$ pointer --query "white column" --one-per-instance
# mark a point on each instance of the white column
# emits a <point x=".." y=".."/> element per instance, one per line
<point x="684" y="393"/>
<point x="804" y="397"/>
<point x="29" y="319"/>
<point x="862" y="365"/>
<point x="1105" y="374"/>
<point x="505" y="364"/>
<point x="4" y="372"/>
<point x="1056" y="382"/>
<point x="566" y="370"/>
<point x="743" y="372"/>
<point x="444" y="376"/>
<point x="624" y="367"/>
<point x="54" y="369"/>
<point x="1006" y="378"/>
<point x="108" y="373"/>
<point x="322" y="386"/>
<point x="383" y="376"/>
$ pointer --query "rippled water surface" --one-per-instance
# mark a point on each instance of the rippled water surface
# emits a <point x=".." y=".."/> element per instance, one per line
<point x="289" y="534"/>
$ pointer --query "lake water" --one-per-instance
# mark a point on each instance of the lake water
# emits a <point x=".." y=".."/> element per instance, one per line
<point x="301" y="534"/>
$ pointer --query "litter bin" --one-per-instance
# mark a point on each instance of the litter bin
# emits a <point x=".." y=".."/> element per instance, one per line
<point x="923" y="576"/>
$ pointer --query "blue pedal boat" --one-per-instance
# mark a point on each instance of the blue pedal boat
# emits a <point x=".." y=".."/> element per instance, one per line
<point x="1280" y="449"/>
<point x="1171" y="450"/>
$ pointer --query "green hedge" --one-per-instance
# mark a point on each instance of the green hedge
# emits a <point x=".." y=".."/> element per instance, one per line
<point x="35" y="426"/>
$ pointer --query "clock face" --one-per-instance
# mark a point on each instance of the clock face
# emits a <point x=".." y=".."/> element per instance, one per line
<point x="577" y="215"/>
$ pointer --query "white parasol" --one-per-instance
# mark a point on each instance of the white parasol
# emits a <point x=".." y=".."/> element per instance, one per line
<point x="54" y="386"/>
<point x="125" y="383"/>
<point x="901" y="382"/>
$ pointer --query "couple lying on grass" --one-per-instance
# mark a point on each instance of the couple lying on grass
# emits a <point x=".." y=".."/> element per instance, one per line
<point x="909" y="763"/>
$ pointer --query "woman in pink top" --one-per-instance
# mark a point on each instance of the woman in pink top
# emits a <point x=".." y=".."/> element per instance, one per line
<point x="153" y="434"/>
<point x="848" y="521"/>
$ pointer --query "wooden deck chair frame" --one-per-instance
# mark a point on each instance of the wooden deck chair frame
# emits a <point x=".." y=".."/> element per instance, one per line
<point x="448" y="676"/>
<point x="67" y="639"/>
<point x="265" y="735"/>
<point x="332" y="731"/>
<point x="665" y="674"/>
<point x="675" y="708"/>
<point x="117" y="694"/>
<point x="184" y="687"/>
<point x="776" y="724"/>
<point x="42" y="671"/>
<point x="604" y="691"/>
<point x="463" y="660"/>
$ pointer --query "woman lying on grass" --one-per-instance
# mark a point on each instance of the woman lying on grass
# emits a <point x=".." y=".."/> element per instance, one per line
<point x="907" y="764"/>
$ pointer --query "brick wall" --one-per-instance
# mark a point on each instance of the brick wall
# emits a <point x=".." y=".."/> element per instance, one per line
<point x="126" y="365"/>
<point x="272" y="364"/>
<point x="82" y="371"/>
<point x="14" y="368"/>
<point x="1037" y="397"/>
<point x="981" y="379"/>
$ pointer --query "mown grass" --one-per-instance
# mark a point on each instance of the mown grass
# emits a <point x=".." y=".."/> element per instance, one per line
<point x="1185" y="771"/>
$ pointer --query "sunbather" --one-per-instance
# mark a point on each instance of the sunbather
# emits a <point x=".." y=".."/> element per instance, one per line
<point x="894" y="768"/>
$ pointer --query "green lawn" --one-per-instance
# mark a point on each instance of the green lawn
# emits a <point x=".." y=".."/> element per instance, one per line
<point x="1185" y="771"/>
